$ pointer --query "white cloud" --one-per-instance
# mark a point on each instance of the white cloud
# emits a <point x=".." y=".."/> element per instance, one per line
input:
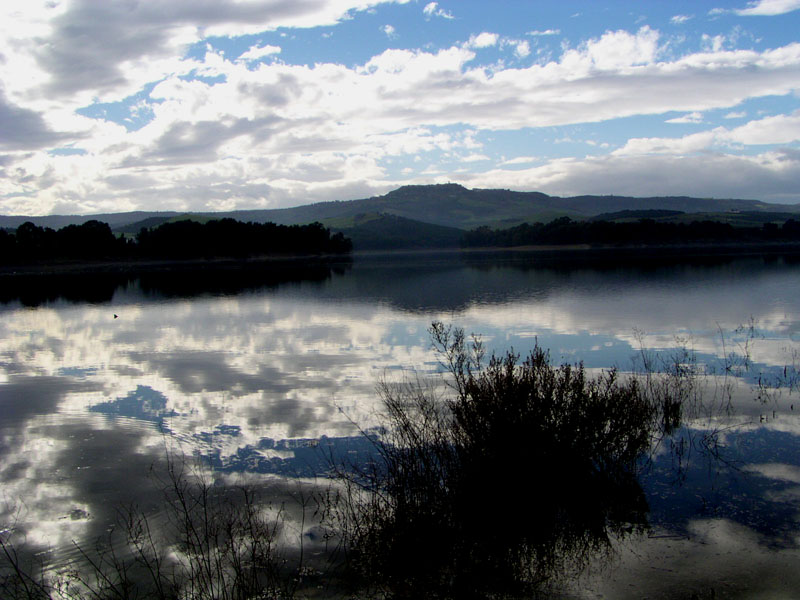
<point x="537" y="33"/>
<point x="735" y="115"/>
<point x="520" y="160"/>
<point x="680" y="19"/>
<point x="389" y="31"/>
<point x="769" y="7"/>
<point x="772" y="176"/>
<point x="270" y="133"/>
<point x="693" y="117"/>
<point x="688" y="144"/>
<point x="780" y="129"/>
<point x="483" y="40"/>
<point x="522" y="49"/>
<point x="78" y="50"/>
<point x="475" y="157"/>
<point x="257" y="52"/>
<point x="713" y="43"/>
<point x="432" y="10"/>
<point x="616" y="50"/>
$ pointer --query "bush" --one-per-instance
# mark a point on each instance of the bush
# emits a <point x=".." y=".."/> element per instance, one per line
<point x="522" y="472"/>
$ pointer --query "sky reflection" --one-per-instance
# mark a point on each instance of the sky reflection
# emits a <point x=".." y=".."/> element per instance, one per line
<point x="254" y="376"/>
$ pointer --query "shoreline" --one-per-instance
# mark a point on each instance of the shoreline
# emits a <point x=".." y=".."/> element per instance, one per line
<point x="133" y="267"/>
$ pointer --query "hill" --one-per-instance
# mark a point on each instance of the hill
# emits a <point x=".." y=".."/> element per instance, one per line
<point x="452" y="205"/>
<point x="390" y="232"/>
<point x="444" y="205"/>
<point x="114" y="220"/>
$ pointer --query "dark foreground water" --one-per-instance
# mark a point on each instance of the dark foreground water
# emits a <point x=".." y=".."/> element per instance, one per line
<point x="100" y="379"/>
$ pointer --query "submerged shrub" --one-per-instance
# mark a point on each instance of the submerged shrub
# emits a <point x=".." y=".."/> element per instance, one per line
<point x="524" y="471"/>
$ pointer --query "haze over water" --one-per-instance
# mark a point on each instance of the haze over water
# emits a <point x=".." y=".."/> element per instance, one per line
<point x="251" y="374"/>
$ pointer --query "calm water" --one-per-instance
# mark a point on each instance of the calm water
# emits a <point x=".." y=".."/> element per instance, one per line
<point x="99" y="379"/>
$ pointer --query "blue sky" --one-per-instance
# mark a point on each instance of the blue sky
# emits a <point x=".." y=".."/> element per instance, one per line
<point x="202" y="105"/>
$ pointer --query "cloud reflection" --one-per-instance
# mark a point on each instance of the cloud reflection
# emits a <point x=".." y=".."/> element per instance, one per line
<point x="248" y="380"/>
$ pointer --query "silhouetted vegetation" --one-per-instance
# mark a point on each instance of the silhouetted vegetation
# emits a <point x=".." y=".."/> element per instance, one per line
<point x="525" y="473"/>
<point x="227" y="237"/>
<point x="642" y="232"/>
<point x="30" y="242"/>
<point x="207" y="543"/>
<point x="179" y="240"/>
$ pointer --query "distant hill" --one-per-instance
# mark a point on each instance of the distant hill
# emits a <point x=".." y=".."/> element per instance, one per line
<point x="746" y="218"/>
<point x="635" y="215"/>
<point x="446" y="205"/>
<point x="147" y="223"/>
<point x="452" y="205"/>
<point x="390" y="232"/>
<point x="114" y="220"/>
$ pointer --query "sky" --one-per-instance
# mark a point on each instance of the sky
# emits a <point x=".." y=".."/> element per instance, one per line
<point x="204" y="105"/>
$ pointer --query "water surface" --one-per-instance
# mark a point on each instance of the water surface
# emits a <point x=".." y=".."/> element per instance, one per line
<point x="99" y="380"/>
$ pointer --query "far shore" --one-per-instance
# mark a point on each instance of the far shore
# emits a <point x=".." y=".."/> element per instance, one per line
<point x="278" y="262"/>
<point x="135" y="266"/>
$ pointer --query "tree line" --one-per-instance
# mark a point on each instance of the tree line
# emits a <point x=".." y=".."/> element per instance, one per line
<point x="94" y="240"/>
<point x="644" y="231"/>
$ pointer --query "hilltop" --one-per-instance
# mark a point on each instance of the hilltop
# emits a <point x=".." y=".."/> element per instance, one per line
<point x="453" y="205"/>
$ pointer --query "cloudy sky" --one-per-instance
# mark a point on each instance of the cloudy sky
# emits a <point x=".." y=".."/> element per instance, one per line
<point x="116" y="105"/>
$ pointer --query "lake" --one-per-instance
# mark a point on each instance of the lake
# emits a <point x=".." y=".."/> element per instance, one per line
<point x="102" y="378"/>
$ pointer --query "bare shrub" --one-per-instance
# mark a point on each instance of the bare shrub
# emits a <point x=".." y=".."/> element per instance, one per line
<point x="522" y="473"/>
<point x="208" y="542"/>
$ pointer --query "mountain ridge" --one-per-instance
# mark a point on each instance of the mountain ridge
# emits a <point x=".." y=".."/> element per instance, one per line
<point x="448" y="205"/>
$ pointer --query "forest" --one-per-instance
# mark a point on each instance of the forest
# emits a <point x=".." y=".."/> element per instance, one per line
<point x="229" y="238"/>
<point x="94" y="240"/>
<point x="642" y="232"/>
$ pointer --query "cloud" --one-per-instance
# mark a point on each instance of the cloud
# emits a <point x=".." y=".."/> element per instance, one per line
<point x="522" y="49"/>
<point x="267" y="133"/>
<point x="475" y="157"/>
<point x="769" y="8"/>
<point x="680" y="19"/>
<point x="389" y="31"/>
<point x="432" y="9"/>
<point x="483" y="40"/>
<point x="109" y="50"/>
<point x="779" y="129"/>
<point x="258" y="52"/>
<point x="713" y="43"/>
<point x="617" y="49"/>
<point x="520" y="160"/>
<point x="25" y="129"/>
<point x="771" y="176"/>
<point x="693" y="117"/>
<point x="537" y="33"/>
<point x="688" y="144"/>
